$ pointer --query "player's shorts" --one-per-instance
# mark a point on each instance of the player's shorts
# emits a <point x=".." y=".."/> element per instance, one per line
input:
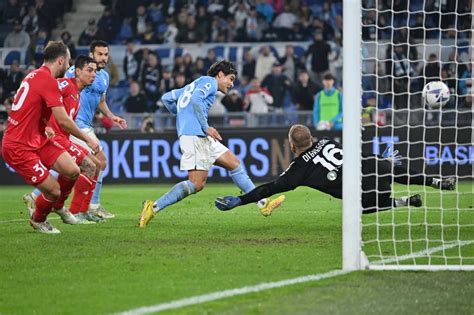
<point x="77" y="152"/>
<point x="32" y="165"/>
<point x="199" y="153"/>
<point x="90" y="133"/>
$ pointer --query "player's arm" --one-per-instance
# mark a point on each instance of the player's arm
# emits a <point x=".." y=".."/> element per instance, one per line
<point x="104" y="109"/>
<point x="68" y="125"/>
<point x="169" y="99"/>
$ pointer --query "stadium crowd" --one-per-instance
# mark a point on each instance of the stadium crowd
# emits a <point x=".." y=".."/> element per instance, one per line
<point x="268" y="82"/>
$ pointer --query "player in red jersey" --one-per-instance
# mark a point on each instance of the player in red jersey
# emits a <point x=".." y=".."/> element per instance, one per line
<point x="25" y="146"/>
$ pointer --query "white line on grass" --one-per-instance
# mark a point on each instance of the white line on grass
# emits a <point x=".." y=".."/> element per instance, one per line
<point x="22" y="220"/>
<point x="199" y="299"/>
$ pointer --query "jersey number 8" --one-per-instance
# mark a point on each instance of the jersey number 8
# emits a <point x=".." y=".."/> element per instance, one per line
<point x="184" y="99"/>
<point x="329" y="160"/>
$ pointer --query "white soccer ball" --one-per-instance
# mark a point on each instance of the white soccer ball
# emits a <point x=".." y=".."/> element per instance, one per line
<point x="436" y="94"/>
<point x="323" y="125"/>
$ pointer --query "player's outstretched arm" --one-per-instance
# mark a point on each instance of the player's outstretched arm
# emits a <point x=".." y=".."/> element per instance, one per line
<point x="68" y="125"/>
<point x="169" y="100"/>
<point x="104" y="109"/>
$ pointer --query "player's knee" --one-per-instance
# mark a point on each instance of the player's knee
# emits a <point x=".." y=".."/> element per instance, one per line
<point x="198" y="185"/>
<point x="72" y="173"/>
<point x="102" y="164"/>
<point x="53" y="192"/>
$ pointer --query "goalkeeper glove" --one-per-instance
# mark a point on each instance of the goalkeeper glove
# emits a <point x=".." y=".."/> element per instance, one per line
<point x="392" y="155"/>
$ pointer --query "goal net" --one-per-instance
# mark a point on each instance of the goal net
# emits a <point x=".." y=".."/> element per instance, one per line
<point x="403" y="46"/>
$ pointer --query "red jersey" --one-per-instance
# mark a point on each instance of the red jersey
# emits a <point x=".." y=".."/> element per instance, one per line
<point x="38" y="92"/>
<point x="70" y="93"/>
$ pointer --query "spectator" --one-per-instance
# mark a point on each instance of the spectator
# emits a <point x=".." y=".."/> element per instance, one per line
<point x="400" y="70"/>
<point x="190" y="33"/>
<point x="47" y="13"/>
<point x="35" y="51"/>
<point x="13" y="12"/>
<point x="465" y="85"/>
<point x="265" y="10"/>
<point x="18" y="38"/>
<point x="327" y="110"/>
<point x="66" y="38"/>
<point x="304" y="91"/>
<point x="233" y="101"/>
<point x="30" y="22"/>
<point x="305" y="18"/>
<point x="131" y="62"/>
<point x="13" y="79"/>
<point x="113" y="71"/>
<point x="136" y="102"/>
<point x="253" y="26"/>
<point x="431" y="72"/>
<point x="180" y="80"/>
<point x="150" y="36"/>
<point x="140" y="20"/>
<point x="189" y="69"/>
<point x="291" y="63"/>
<point x="319" y="53"/>
<point x="166" y="82"/>
<point x="90" y="34"/>
<point x="248" y="69"/>
<point x="126" y="30"/>
<point x="150" y="78"/>
<point x="240" y="11"/>
<point x="264" y="63"/>
<point x="199" y="68"/>
<point x="108" y="24"/>
<point x="284" y="22"/>
<point x="278" y="84"/>
<point x="210" y="58"/>
<point x="148" y="124"/>
<point x="171" y="32"/>
<point x="257" y="99"/>
<point x="202" y="19"/>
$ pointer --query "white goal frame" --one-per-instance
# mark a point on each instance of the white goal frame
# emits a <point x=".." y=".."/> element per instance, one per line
<point x="352" y="252"/>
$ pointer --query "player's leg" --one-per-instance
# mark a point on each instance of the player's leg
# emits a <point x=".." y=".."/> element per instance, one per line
<point x="406" y="176"/>
<point x="241" y="179"/>
<point x="95" y="205"/>
<point x="49" y="193"/>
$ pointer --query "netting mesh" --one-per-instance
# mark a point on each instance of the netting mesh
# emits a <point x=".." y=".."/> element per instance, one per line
<point x="405" y="45"/>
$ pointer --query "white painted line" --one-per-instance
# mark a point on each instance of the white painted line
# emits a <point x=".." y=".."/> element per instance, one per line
<point x="199" y="299"/>
<point x="23" y="220"/>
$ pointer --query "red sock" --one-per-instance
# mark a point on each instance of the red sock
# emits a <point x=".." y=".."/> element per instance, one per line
<point x="65" y="184"/>
<point x="87" y="200"/>
<point x="82" y="190"/>
<point x="43" y="207"/>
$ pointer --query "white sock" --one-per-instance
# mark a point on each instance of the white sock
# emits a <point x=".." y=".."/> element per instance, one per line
<point x="262" y="203"/>
<point x="402" y="201"/>
<point x="155" y="207"/>
<point x="435" y="183"/>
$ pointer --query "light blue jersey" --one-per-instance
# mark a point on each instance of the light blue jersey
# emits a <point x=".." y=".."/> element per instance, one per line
<point x="191" y="104"/>
<point x="90" y="97"/>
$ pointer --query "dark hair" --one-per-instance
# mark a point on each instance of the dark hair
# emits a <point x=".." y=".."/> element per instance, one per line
<point x="82" y="61"/>
<point x="54" y="50"/>
<point x="328" y="76"/>
<point x="223" y="65"/>
<point x="97" y="43"/>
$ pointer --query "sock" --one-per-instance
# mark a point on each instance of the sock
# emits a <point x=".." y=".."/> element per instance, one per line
<point x="95" y="202"/>
<point x="435" y="182"/>
<point x="401" y="202"/>
<point x="242" y="180"/>
<point x="178" y="192"/>
<point x="86" y="202"/>
<point x="43" y="207"/>
<point x="65" y="184"/>
<point x="81" y="190"/>
<point x="37" y="192"/>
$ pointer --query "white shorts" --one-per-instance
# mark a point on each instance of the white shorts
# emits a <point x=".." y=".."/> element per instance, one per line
<point x="199" y="153"/>
<point x="90" y="133"/>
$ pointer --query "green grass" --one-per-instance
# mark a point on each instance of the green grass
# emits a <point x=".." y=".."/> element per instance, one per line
<point x="192" y="248"/>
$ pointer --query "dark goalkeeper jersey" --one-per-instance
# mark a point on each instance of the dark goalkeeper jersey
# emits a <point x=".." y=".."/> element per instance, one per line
<point x="319" y="167"/>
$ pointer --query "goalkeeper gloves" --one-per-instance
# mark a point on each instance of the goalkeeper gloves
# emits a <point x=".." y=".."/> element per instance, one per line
<point x="392" y="155"/>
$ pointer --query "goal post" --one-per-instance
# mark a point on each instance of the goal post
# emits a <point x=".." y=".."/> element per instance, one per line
<point x="391" y="50"/>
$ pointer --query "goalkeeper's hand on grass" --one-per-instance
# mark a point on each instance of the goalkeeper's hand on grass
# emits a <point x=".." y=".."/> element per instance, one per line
<point x="392" y="155"/>
<point x="227" y="203"/>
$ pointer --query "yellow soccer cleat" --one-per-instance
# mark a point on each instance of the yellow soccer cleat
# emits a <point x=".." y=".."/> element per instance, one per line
<point x="147" y="213"/>
<point x="271" y="205"/>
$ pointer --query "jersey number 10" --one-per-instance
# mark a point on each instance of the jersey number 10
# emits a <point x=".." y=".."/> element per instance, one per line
<point x="329" y="160"/>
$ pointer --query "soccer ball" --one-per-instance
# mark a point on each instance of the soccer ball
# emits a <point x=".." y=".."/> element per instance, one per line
<point x="323" y="125"/>
<point x="436" y="94"/>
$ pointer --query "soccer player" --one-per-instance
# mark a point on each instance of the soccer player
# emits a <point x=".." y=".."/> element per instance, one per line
<point x="199" y="142"/>
<point x="85" y="73"/>
<point x="93" y="98"/>
<point x="26" y="147"/>
<point x="319" y="165"/>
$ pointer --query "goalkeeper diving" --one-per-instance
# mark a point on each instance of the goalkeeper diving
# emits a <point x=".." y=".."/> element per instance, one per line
<point x="319" y="165"/>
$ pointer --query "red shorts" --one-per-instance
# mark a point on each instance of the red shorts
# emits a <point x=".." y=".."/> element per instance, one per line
<point x="77" y="152"/>
<point x="32" y="165"/>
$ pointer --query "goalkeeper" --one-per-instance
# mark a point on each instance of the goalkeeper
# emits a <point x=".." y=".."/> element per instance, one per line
<point x="319" y="165"/>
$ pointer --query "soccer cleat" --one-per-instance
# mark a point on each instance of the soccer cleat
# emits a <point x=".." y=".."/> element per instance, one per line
<point x="66" y="216"/>
<point x="82" y="218"/>
<point x="448" y="183"/>
<point x="44" y="227"/>
<point x="102" y="213"/>
<point x="415" y="201"/>
<point x="29" y="201"/>
<point x="147" y="213"/>
<point x="272" y="205"/>
<point x="227" y="203"/>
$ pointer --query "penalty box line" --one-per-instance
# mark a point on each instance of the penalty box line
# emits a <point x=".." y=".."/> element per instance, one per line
<point x="200" y="299"/>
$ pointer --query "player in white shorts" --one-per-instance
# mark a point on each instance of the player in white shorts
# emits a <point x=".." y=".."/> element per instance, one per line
<point x="200" y="143"/>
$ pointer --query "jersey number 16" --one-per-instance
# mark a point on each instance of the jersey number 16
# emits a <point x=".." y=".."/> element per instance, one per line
<point x="328" y="158"/>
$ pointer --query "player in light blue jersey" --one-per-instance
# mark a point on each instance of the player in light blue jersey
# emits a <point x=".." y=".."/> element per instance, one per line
<point x="200" y="144"/>
<point x="93" y="99"/>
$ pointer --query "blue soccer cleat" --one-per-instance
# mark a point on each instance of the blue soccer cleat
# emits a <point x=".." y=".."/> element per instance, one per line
<point x="227" y="203"/>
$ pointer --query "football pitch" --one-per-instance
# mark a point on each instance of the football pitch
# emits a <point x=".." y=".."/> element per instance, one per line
<point x="192" y="249"/>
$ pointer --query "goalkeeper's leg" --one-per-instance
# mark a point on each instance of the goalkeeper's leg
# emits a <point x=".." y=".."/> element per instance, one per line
<point x="406" y="176"/>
